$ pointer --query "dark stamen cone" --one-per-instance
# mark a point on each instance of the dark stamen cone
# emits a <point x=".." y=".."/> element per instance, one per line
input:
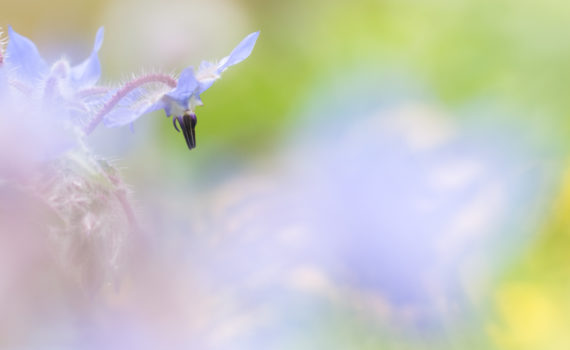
<point x="188" y="123"/>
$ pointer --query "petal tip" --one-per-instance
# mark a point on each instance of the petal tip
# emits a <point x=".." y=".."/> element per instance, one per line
<point x="99" y="39"/>
<point x="11" y="33"/>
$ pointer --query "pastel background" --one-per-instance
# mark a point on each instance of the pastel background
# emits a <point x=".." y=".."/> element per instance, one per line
<point x="378" y="174"/>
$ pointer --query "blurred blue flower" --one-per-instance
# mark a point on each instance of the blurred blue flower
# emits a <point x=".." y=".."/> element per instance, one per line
<point x="61" y="90"/>
<point x="25" y="64"/>
<point x="395" y="213"/>
<point x="53" y="101"/>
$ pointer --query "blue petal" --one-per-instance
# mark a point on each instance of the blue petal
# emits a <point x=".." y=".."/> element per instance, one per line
<point x="240" y="53"/>
<point x="23" y="57"/>
<point x="155" y="107"/>
<point x="198" y="100"/>
<point x="205" y="65"/>
<point x="123" y="115"/>
<point x="120" y="117"/>
<point x="205" y="85"/>
<point x="187" y="85"/>
<point x="89" y="71"/>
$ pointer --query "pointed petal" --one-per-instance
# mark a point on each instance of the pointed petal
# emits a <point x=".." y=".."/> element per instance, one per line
<point x="187" y="85"/>
<point x="208" y="74"/>
<point x="89" y="71"/>
<point x="99" y="39"/>
<point x="240" y="53"/>
<point x="187" y="81"/>
<point x="197" y="100"/>
<point x="23" y="57"/>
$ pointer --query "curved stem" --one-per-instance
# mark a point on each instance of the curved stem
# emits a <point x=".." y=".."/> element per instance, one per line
<point x="124" y="91"/>
<point x="129" y="212"/>
<point x="121" y="194"/>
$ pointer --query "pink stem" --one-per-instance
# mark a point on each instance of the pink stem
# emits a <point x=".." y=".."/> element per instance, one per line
<point x="96" y="90"/>
<point x="121" y="196"/>
<point x="124" y="91"/>
<point x="132" y="219"/>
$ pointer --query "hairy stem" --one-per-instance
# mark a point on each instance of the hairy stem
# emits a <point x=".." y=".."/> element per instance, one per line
<point x="124" y="91"/>
<point x="96" y="90"/>
<point x="128" y="210"/>
<point x="121" y="194"/>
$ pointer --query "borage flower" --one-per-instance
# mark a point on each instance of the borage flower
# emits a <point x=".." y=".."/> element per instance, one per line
<point x="50" y="100"/>
<point x="28" y="67"/>
<point x="76" y="200"/>
<point x="178" y="98"/>
<point x="65" y="97"/>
